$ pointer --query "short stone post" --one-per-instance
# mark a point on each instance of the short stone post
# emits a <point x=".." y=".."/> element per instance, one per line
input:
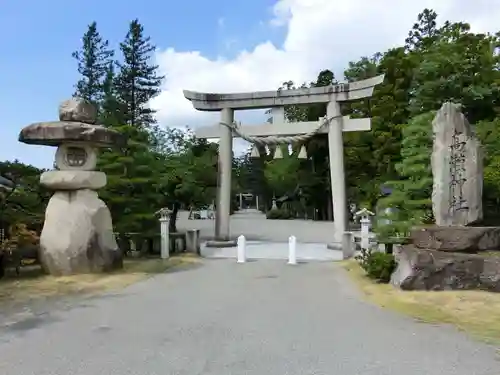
<point x="241" y="249"/>
<point x="292" y="250"/>
<point x="165" y="240"/>
<point x="348" y="247"/>
<point x="193" y="241"/>
<point x="366" y="225"/>
<point x="274" y="206"/>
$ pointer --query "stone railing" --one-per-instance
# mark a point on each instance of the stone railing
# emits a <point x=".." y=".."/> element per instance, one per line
<point x="169" y="241"/>
<point x="140" y="244"/>
<point x="368" y="240"/>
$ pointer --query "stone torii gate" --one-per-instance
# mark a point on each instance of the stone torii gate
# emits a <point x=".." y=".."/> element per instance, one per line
<point x="281" y="131"/>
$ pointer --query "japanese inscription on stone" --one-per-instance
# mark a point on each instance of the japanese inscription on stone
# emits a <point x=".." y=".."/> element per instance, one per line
<point x="457" y="173"/>
<point x="457" y="169"/>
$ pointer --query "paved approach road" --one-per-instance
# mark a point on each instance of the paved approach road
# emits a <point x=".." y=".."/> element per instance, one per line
<point x="255" y="227"/>
<point x="263" y="317"/>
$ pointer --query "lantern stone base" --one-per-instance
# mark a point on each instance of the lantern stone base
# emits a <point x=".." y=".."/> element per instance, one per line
<point x="73" y="180"/>
<point x="77" y="235"/>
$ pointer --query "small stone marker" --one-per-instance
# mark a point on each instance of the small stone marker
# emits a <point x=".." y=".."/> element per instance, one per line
<point x="193" y="241"/>
<point x="348" y="248"/>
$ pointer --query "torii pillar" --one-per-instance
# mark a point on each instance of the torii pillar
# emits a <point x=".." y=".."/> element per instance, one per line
<point x="277" y="100"/>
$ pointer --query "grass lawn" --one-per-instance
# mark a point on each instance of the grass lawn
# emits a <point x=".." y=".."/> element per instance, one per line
<point x="475" y="312"/>
<point x="32" y="283"/>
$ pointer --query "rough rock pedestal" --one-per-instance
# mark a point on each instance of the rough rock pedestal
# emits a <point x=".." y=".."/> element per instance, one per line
<point x="456" y="239"/>
<point x="420" y="269"/>
<point x="77" y="235"/>
<point x="457" y="169"/>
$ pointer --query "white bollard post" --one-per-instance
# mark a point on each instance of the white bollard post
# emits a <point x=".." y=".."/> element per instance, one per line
<point x="292" y="250"/>
<point x="241" y="249"/>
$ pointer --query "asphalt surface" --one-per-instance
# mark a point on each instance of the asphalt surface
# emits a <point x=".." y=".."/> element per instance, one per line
<point x="276" y="250"/>
<point x="262" y="317"/>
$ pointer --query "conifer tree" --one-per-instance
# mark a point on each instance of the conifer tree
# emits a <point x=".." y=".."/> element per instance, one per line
<point x="411" y="194"/>
<point x="134" y="170"/>
<point x="138" y="80"/>
<point x="93" y="60"/>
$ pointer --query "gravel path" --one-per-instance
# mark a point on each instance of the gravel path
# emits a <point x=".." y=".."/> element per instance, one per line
<point x="263" y="317"/>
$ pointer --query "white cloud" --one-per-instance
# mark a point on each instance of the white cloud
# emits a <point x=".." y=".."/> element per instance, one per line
<point x="320" y="34"/>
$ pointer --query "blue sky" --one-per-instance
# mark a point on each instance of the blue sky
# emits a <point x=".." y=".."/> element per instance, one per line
<point x="39" y="36"/>
<point x="211" y="46"/>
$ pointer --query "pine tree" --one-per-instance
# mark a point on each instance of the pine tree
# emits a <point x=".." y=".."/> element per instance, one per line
<point x="130" y="193"/>
<point x="138" y="81"/>
<point x="411" y="195"/>
<point x="93" y="61"/>
<point x="134" y="171"/>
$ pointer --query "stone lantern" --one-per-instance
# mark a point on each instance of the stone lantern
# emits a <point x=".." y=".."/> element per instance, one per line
<point x="77" y="235"/>
<point x="164" y="214"/>
<point x="366" y="224"/>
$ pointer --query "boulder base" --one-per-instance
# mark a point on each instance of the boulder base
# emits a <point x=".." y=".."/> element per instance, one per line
<point x="77" y="236"/>
<point x="457" y="239"/>
<point x="420" y="269"/>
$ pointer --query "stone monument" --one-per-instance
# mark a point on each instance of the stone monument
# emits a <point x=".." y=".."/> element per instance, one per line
<point x="457" y="172"/>
<point x="447" y="256"/>
<point x="77" y="235"/>
<point x="457" y="169"/>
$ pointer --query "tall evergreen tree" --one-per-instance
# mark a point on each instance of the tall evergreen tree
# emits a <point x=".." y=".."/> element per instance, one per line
<point x="138" y="80"/>
<point x="424" y="32"/>
<point x="111" y="114"/>
<point x="93" y="60"/>
<point x="131" y="193"/>
<point x="135" y="170"/>
<point x="411" y="194"/>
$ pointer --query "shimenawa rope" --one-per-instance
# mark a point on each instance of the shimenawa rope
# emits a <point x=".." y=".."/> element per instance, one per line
<point x="274" y="140"/>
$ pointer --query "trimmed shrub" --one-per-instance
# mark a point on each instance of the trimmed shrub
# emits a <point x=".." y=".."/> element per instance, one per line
<point x="378" y="266"/>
